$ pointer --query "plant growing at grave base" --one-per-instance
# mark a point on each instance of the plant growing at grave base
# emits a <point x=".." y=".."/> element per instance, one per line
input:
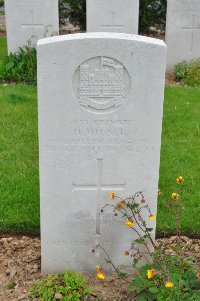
<point x="20" y="66"/>
<point x="164" y="277"/>
<point x="65" y="287"/>
<point x="11" y="285"/>
<point x="188" y="72"/>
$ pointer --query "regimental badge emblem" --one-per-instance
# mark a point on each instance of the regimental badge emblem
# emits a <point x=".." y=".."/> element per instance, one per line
<point x="101" y="85"/>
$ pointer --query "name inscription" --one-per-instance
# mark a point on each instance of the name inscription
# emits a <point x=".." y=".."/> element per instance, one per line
<point x="108" y="136"/>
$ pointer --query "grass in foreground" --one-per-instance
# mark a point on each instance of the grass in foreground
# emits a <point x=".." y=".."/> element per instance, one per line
<point x="3" y="48"/>
<point x="19" y="183"/>
<point x="180" y="156"/>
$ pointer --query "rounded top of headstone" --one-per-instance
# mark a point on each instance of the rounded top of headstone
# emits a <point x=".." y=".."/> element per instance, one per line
<point x="101" y="35"/>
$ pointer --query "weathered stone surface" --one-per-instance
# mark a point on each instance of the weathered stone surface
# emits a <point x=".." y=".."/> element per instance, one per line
<point x="100" y="120"/>
<point x="182" y="31"/>
<point x="30" y="20"/>
<point x="113" y="16"/>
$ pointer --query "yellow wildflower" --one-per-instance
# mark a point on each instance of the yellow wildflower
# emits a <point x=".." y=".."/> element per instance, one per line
<point x="112" y="196"/>
<point x="169" y="284"/>
<point x="129" y="223"/>
<point x="179" y="180"/>
<point x="159" y="192"/>
<point x="198" y="275"/>
<point x="152" y="217"/>
<point x="175" y="196"/>
<point x="151" y="273"/>
<point x="101" y="276"/>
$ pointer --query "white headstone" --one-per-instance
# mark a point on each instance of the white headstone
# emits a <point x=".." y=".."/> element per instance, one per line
<point x="100" y="120"/>
<point x="113" y="16"/>
<point x="27" y="21"/>
<point x="182" y="31"/>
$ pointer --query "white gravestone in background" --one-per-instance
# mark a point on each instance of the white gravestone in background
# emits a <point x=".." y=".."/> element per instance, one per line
<point x="100" y="120"/>
<point x="113" y="16"/>
<point x="27" y="21"/>
<point x="182" y="31"/>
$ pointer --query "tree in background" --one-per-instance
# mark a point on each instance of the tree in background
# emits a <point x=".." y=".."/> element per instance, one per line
<point x="152" y="13"/>
<point x="74" y="11"/>
<point x="1" y="3"/>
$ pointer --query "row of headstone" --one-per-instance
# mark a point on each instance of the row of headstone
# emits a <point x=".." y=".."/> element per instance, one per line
<point x="182" y="26"/>
<point x="29" y="20"/>
<point x="100" y="99"/>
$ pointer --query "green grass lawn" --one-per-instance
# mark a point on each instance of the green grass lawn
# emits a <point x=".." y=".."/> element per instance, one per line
<point x="3" y="48"/>
<point x="180" y="156"/>
<point x="19" y="183"/>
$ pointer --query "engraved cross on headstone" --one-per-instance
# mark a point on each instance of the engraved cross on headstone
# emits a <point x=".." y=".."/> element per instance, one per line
<point x="32" y="25"/>
<point x="193" y="28"/>
<point x="99" y="187"/>
<point x="113" y="26"/>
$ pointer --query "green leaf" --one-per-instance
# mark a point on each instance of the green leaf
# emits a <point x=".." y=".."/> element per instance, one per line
<point x="139" y="240"/>
<point x="142" y="297"/>
<point x="140" y="281"/>
<point x="135" y="262"/>
<point x="122" y="275"/>
<point x="154" y="290"/>
<point x="133" y="206"/>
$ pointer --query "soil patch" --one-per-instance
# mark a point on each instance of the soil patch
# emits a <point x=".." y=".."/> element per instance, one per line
<point x="170" y="80"/>
<point x="20" y="265"/>
<point x="2" y="22"/>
